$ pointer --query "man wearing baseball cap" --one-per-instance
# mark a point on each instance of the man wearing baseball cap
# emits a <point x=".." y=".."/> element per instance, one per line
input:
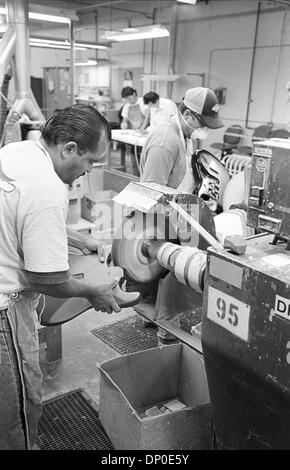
<point x="163" y="158"/>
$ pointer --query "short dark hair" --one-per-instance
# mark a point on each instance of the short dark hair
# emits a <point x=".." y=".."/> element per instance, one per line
<point x="80" y="123"/>
<point x="128" y="91"/>
<point x="150" y="97"/>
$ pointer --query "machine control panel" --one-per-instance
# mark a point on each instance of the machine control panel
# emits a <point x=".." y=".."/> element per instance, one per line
<point x="256" y="195"/>
<point x="269" y="224"/>
<point x="269" y="191"/>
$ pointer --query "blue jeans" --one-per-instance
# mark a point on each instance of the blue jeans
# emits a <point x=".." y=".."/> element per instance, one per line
<point x="20" y="374"/>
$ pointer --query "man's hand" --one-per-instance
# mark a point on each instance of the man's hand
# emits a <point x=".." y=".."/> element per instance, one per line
<point x="94" y="246"/>
<point x="85" y="244"/>
<point x="103" y="298"/>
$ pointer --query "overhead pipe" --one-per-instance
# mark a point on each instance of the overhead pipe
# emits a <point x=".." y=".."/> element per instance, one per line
<point x="7" y="50"/>
<point x="18" y="17"/>
<point x="25" y="101"/>
<point x="153" y="42"/>
<point x="90" y="8"/>
<point x="172" y="46"/>
<point x="72" y="62"/>
<point x="252" y="66"/>
<point x="3" y="99"/>
<point x="278" y="65"/>
<point x="220" y="49"/>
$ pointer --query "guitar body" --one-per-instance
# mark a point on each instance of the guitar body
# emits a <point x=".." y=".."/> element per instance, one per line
<point x="83" y="267"/>
<point x="87" y="268"/>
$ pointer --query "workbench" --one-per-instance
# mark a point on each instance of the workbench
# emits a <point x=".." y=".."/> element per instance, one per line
<point x="129" y="138"/>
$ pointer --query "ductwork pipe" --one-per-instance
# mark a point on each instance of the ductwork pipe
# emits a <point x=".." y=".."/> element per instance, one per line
<point x="18" y="21"/>
<point x="7" y="50"/>
<point x="172" y="46"/>
<point x="4" y="94"/>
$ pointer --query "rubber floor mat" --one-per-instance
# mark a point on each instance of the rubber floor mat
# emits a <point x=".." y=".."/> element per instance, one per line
<point x="71" y="422"/>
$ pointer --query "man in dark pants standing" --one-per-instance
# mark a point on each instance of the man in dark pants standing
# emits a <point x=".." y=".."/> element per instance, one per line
<point x="34" y="254"/>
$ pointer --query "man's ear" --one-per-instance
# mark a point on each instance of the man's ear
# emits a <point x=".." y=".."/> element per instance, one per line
<point x="69" y="150"/>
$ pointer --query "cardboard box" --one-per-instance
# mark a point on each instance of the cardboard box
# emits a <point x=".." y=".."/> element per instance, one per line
<point x="99" y="209"/>
<point x="130" y="384"/>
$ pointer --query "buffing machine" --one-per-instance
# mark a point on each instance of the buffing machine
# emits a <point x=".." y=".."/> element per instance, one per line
<point x="241" y="287"/>
<point x="186" y="260"/>
<point x="246" y="316"/>
<point x="161" y="245"/>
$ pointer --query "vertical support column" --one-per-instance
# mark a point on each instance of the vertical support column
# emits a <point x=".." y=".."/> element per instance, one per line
<point x="172" y="46"/>
<point x="25" y="101"/>
<point x="18" y="17"/>
<point x="72" y="63"/>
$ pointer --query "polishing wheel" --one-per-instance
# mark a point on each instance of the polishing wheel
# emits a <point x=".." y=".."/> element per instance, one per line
<point x="127" y="247"/>
<point x="134" y="233"/>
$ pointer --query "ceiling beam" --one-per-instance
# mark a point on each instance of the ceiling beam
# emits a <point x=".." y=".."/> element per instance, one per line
<point x="98" y="5"/>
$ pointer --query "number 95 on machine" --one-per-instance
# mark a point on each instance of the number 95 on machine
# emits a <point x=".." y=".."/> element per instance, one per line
<point x="228" y="312"/>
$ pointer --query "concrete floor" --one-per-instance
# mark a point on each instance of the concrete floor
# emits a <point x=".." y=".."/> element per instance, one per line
<point x="82" y="351"/>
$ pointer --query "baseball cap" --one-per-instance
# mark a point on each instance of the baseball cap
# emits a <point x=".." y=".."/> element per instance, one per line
<point x="203" y="101"/>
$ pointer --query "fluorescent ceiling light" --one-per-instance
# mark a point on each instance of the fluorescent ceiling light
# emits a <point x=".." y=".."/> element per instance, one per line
<point x="190" y="2"/>
<point x="66" y="43"/>
<point x="130" y="30"/>
<point x="51" y="41"/>
<point x="92" y="61"/>
<point x="143" y="32"/>
<point x="53" y="46"/>
<point x="90" y="46"/>
<point x="41" y="17"/>
<point x="86" y="64"/>
<point x="52" y="18"/>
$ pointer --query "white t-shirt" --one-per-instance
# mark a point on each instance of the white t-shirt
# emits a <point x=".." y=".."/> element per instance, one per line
<point x="165" y="109"/>
<point x="126" y="107"/>
<point x="32" y="217"/>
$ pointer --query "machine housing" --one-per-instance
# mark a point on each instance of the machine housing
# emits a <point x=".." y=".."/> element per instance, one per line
<point x="246" y="345"/>
<point x="269" y="192"/>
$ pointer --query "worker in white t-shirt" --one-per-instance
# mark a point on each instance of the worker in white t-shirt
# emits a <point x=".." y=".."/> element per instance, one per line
<point x="133" y="112"/>
<point x="133" y="115"/>
<point x="34" y="254"/>
<point x="158" y="109"/>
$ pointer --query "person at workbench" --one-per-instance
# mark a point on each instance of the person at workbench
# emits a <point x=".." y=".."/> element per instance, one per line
<point x="133" y="116"/>
<point x="34" y="254"/>
<point x="158" y="110"/>
<point x="133" y="112"/>
<point x="163" y="157"/>
<point x="166" y="154"/>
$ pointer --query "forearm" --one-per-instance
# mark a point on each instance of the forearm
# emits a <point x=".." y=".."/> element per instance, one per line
<point x="76" y="239"/>
<point x="145" y="123"/>
<point x="71" y="288"/>
<point x="100" y="295"/>
<point x="124" y="124"/>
